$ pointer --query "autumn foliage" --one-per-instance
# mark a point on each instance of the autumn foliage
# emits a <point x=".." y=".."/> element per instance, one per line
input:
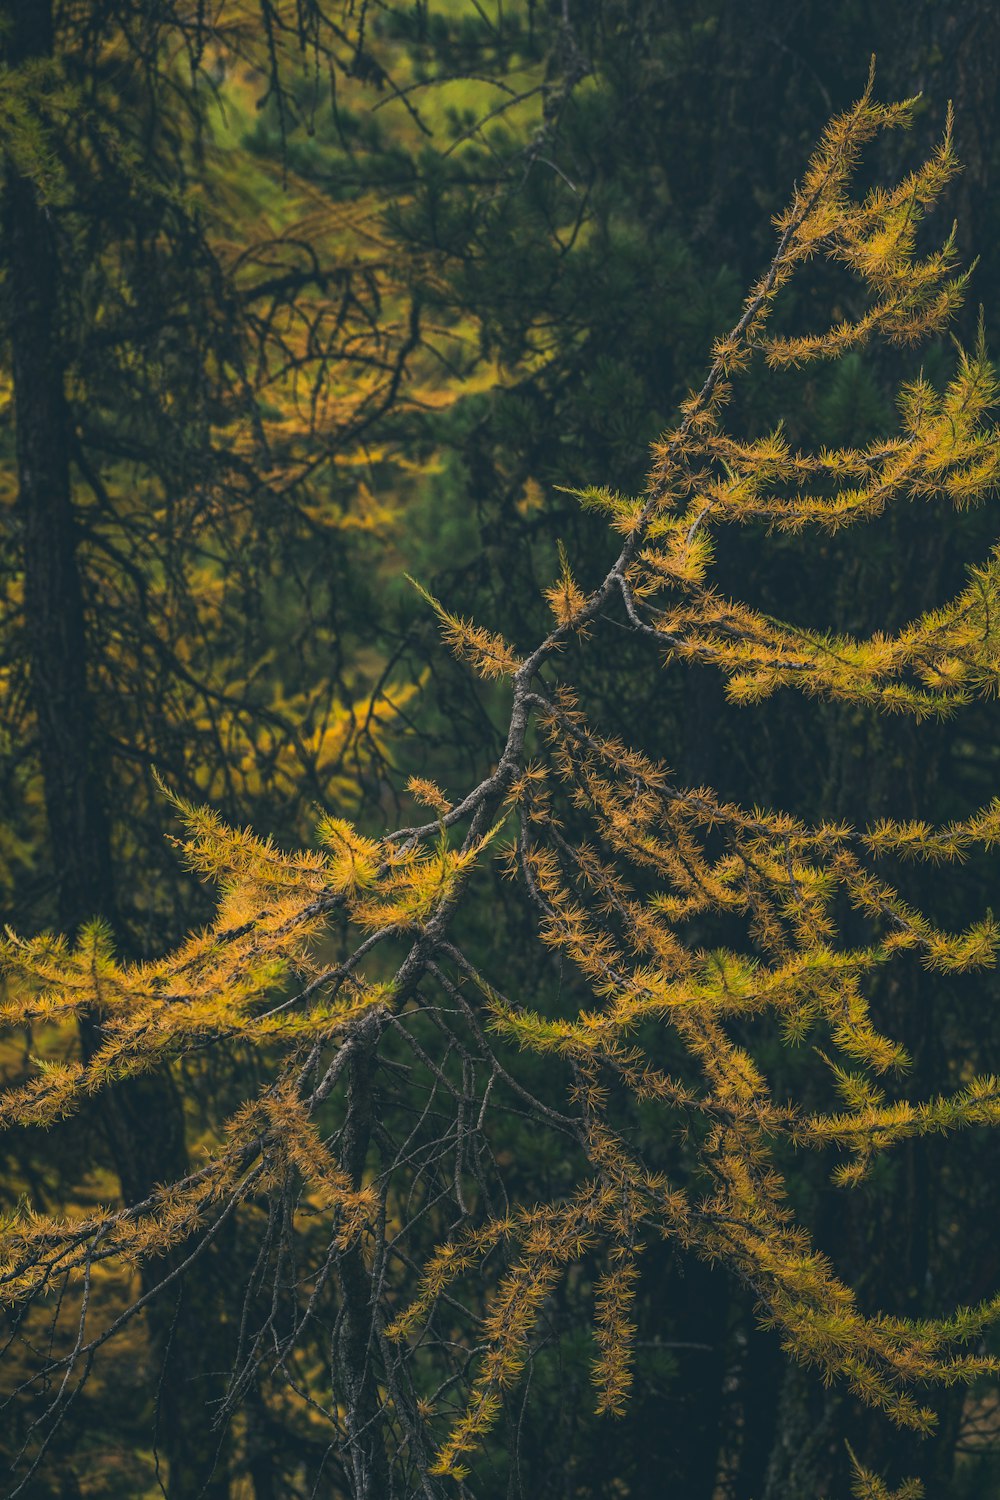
<point x="685" y="918"/>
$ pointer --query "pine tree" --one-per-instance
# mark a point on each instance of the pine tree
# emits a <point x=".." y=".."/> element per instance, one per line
<point x="345" y="971"/>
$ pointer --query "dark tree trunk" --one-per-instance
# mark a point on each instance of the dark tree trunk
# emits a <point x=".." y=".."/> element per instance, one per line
<point x="808" y="1460"/>
<point x="356" y="1343"/>
<point x="142" y="1120"/>
<point x="53" y="598"/>
<point x="760" y="1381"/>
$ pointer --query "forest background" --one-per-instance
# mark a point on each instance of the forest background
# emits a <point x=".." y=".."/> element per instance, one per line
<point x="292" y="312"/>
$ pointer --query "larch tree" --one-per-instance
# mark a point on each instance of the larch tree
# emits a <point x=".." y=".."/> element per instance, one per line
<point x="185" y="376"/>
<point x="673" y="154"/>
<point x="203" y="351"/>
<point x="391" y="1062"/>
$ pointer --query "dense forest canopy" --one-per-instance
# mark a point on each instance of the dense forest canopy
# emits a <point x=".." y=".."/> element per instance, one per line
<point x="498" y="748"/>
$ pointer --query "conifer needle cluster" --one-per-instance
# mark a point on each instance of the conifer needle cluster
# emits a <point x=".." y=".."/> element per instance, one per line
<point x="333" y="963"/>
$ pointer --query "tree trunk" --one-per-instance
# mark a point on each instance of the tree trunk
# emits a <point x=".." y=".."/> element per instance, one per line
<point x="142" y="1120"/>
<point x="356" y="1344"/>
<point x="808" y="1460"/>
<point x="760" y="1381"/>
<point x="53" y="598"/>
